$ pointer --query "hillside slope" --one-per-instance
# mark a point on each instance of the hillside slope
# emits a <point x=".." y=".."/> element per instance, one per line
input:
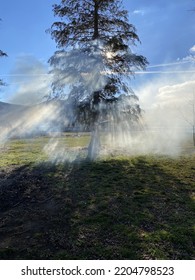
<point x="19" y="120"/>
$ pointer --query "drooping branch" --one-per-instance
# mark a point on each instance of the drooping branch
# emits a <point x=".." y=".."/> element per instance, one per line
<point x="2" y="53"/>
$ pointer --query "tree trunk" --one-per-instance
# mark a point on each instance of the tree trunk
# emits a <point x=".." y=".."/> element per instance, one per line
<point x="194" y="118"/>
<point x="94" y="145"/>
<point x="96" y="18"/>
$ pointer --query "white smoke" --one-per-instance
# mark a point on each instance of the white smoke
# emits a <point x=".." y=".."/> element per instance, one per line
<point x="167" y="96"/>
<point x="58" y="152"/>
<point x="30" y="79"/>
<point x="25" y="121"/>
<point x="167" y="100"/>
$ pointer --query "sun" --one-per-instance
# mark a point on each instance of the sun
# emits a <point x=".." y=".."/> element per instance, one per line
<point x="109" y="55"/>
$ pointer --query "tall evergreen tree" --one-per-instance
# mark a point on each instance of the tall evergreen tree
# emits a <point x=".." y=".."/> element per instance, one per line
<point x="96" y="61"/>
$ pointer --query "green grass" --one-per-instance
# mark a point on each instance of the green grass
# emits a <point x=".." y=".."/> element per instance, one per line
<point x="18" y="152"/>
<point x="114" y="208"/>
<point x="31" y="151"/>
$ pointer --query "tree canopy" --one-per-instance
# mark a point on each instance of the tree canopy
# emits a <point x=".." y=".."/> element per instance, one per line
<point x="86" y="20"/>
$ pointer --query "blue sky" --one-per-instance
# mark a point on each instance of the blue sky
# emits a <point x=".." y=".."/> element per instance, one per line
<point x="23" y="29"/>
<point x="166" y="29"/>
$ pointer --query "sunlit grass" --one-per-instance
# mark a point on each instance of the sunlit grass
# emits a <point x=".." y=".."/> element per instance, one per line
<point x="30" y="151"/>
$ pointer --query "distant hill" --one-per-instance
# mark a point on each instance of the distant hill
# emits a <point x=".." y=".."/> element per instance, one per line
<point x="6" y="107"/>
<point x="21" y="120"/>
<point x="11" y="112"/>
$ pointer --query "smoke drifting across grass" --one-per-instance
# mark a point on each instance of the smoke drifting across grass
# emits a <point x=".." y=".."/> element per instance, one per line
<point x="168" y="101"/>
<point x="23" y="121"/>
<point x="167" y="120"/>
<point x="167" y="97"/>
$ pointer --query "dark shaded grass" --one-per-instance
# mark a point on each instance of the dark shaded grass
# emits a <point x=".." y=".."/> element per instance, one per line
<point x="120" y="208"/>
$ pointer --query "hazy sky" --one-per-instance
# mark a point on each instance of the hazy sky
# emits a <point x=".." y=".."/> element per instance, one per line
<point x="166" y="29"/>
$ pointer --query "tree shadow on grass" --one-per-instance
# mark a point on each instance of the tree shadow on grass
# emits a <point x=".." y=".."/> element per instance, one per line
<point x="112" y="209"/>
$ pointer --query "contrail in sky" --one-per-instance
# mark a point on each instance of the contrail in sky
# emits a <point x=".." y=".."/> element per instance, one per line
<point x="107" y="72"/>
<point x="152" y="72"/>
<point x="23" y="75"/>
<point x="169" y="64"/>
<point x="164" y="72"/>
<point x="149" y="72"/>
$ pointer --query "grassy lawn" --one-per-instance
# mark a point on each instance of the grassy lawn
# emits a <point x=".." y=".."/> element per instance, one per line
<point x="31" y="151"/>
<point x="114" y="208"/>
